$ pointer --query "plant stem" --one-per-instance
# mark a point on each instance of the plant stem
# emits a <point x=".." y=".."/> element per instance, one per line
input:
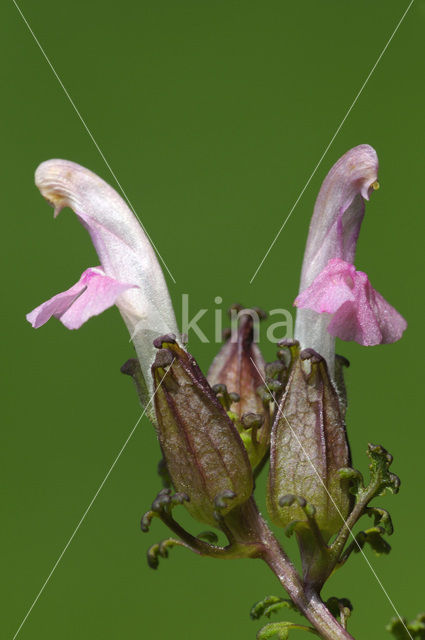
<point x="346" y="530"/>
<point x="304" y="597"/>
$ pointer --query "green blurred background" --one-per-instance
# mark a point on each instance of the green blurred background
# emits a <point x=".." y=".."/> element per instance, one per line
<point x="213" y="116"/>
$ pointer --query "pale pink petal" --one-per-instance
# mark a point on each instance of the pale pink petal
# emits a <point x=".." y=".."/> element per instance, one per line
<point x="332" y="288"/>
<point x="359" y="312"/>
<point x="56" y="306"/>
<point x="391" y="322"/>
<point x="344" y="324"/>
<point x="92" y="294"/>
<point x="356" y="321"/>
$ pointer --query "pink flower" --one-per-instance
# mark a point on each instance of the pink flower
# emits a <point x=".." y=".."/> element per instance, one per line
<point x="129" y="276"/>
<point x="359" y="312"/>
<point x="335" y="300"/>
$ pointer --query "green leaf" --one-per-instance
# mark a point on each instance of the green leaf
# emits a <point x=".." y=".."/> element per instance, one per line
<point x="381" y="519"/>
<point x="355" y="478"/>
<point x="269" y="605"/>
<point x="374" y="538"/>
<point x="380" y="476"/>
<point x="403" y="630"/>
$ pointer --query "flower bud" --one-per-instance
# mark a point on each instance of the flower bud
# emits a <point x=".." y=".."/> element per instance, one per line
<point x="308" y="447"/>
<point x="236" y="374"/>
<point x="203" y="451"/>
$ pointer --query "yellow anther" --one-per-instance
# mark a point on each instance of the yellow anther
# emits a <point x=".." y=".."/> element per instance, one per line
<point x="375" y="185"/>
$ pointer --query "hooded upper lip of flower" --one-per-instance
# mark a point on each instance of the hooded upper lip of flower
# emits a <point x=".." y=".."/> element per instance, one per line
<point x="329" y="282"/>
<point x="129" y="276"/>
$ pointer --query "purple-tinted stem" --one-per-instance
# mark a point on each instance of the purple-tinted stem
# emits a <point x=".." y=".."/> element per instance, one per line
<point x="306" y="599"/>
